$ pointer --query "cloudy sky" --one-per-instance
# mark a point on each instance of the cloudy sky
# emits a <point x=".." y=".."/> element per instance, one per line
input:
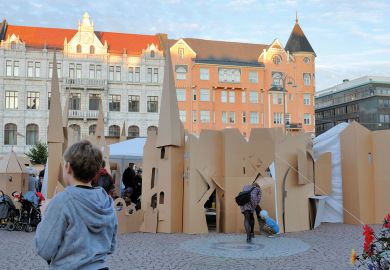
<point x="351" y="37"/>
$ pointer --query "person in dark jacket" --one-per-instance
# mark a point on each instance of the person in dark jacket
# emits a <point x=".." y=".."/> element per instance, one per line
<point x="104" y="179"/>
<point x="128" y="177"/>
<point x="138" y="186"/>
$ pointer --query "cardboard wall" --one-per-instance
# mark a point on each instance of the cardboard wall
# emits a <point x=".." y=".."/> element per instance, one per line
<point x="323" y="174"/>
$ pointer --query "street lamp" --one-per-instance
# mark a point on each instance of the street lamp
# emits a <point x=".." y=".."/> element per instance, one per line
<point x="276" y="89"/>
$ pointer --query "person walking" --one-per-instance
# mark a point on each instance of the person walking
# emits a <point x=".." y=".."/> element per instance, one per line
<point x="248" y="209"/>
<point x="128" y="177"/>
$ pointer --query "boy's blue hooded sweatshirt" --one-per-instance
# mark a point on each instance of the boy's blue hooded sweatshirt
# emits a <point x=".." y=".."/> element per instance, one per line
<point x="78" y="229"/>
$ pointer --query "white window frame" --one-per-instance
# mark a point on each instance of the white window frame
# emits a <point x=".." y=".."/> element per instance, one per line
<point x="204" y="74"/>
<point x="253" y="97"/>
<point x="204" y="95"/>
<point x="181" y="94"/>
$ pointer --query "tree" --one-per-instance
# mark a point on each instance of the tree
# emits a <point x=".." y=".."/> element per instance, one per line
<point x="38" y="153"/>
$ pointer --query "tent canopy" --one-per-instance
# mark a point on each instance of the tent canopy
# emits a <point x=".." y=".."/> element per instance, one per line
<point x="132" y="149"/>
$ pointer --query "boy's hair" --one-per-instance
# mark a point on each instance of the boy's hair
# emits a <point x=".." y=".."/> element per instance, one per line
<point x="84" y="159"/>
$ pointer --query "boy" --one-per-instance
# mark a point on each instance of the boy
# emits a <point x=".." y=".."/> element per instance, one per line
<point x="267" y="224"/>
<point x="79" y="227"/>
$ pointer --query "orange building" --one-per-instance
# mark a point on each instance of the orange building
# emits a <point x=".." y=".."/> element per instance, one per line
<point x="238" y="85"/>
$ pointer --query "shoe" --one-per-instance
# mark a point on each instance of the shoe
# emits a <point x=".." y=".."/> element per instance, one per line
<point x="252" y="235"/>
<point x="248" y="239"/>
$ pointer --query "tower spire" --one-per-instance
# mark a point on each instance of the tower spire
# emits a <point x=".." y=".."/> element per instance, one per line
<point x="296" y="16"/>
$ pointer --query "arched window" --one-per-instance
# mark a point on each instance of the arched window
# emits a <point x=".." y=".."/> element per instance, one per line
<point x="92" y="129"/>
<point x="114" y="131"/>
<point x="277" y="59"/>
<point x="78" y="48"/>
<point x="181" y="73"/>
<point x="152" y="54"/>
<point x="32" y="134"/>
<point x="152" y="129"/>
<point x="13" y="45"/>
<point x="133" y="131"/>
<point x="91" y="49"/>
<point x="277" y="79"/>
<point x="10" y="134"/>
<point x="77" y="132"/>
<point x="306" y="79"/>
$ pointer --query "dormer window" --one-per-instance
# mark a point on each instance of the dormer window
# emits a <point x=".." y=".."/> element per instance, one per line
<point x="152" y="54"/>
<point x="13" y="45"/>
<point x="91" y="49"/>
<point x="180" y="52"/>
<point x="277" y="59"/>
<point x="78" y="48"/>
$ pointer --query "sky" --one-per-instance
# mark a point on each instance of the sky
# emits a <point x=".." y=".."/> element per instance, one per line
<point x="350" y="37"/>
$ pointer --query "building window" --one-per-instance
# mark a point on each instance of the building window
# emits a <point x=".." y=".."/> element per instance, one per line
<point x="306" y="119"/>
<point x="8" y="68"/>
<point x="78" y="48"/>
<point x="243" y="116"/>
<point x="182" y="115"/>
<point x="98" y="72"/>
<point x="114" y="103"/>
<point x="194" y="116"/>
<point x="37" y="69"/>
<point x="384" y="118"/>
<point x="94" y="100"/>
<point x="16" y="68"/>
<point x="137" y="75"/>
<point x="111" y="73"/>
<point x="152" y="104"/>
<point x="204" y="95"/>
<point x="59" y="70"/>
<point x="71" y="70"/>
<point x="32" y="134"/>
<point x="114" y="131"/>
<point x="254" y="118"/>
<point x="232" y="117"/>
<point x="277" y="79"/>
<point x="229" y="75"/>
<point x="306" y="60"/>
<point x="277" y="59"/>
<point x="231" y="97"/>
<point x="10" y="134"/>
<point x="13" y="45"/>
<point x="253" y="97"/>
<point x="149" y="75"/>
<point x="204" y="116"/>
<point x="181" y="94"/>
<point x="306" y="79"/>
<point x="50" y="70"/>
<point x="155" y="75"/>
<point x="181" y="73"/>
<point x="224" y="117"/>
<point x="77" y="131"/>
<point x="133" y="131"/>
<point x="152" y="129"/>
<point x="48" y="100"/>
<point x="30" y="66"/>
<point x="33" y="100"/>
<point x="131" y="74"/>
<point x="180" y="52"/>
<point x="92" y="71"/>
<point x="11" y="99"/>
<point x="278" y="118"/>
<point x="243" y="97"/>
<point x="224" y="96"/>
<point x="204" y="74"/>
<point x="92" y="49"/>
<point x="277" y="98"/>
<point x="306" y="99"/>
<point x="253" y="77"/>
<point x="78" y="71"/>
<point x="288" y="118"/>
<point x="74" y="101"/>
<point x="133" y="103"/>
<point x="92" y="129"/>
<point x="118" y="73"/>
<point x="152" y="54"/>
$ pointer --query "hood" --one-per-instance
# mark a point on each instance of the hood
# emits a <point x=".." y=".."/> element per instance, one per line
<point x="103" y="171"/>
<point x="94" y="206"/>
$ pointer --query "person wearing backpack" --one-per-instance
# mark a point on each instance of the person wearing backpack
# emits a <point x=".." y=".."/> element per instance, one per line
<point x="104" y="179"/>
<point x="249" y="207"/>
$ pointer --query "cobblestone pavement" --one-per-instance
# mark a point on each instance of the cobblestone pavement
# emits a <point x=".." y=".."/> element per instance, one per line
<point x="327" y="247"/>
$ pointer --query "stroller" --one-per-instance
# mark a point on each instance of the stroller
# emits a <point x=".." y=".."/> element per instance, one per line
<point x="30" y="213"/>
<point x="9" y="215"/>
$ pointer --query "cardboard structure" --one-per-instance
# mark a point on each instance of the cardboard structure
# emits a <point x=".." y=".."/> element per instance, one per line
<point x="13" y="175"/>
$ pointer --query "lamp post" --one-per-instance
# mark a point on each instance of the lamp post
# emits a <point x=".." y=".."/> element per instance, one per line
<point x="277" y="89"/>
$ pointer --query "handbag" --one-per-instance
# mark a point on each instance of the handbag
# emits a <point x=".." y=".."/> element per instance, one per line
<point x="244" y="197"/>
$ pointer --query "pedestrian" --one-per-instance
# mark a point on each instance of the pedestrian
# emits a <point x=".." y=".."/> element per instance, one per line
<point x="128" y="177"/>
<point x="138" y="186"/>
<point x="248" y="209"/>
<point x="79" y="227"/>
<point x="39" y="182"/>
<point x="104" y="179"/>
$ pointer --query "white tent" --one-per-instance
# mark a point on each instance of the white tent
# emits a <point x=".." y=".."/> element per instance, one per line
<point x="330" y="142"/>
<point x="128" y="151"/>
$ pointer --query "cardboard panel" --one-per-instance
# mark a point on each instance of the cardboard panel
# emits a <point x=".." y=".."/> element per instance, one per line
<point x="128" y="223"/>
<point x="54" y="168"/>
<point x="150" y="221"/>
<point x="323" y="175"/>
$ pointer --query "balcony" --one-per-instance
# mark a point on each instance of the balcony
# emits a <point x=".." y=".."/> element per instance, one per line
<point x="294" y="126"/>
<point x="84" y="115"/>
<point x="85" y="83"/>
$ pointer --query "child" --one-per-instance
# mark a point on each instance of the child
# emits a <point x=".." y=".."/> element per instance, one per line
<point x="79" y="227"/>
<point x="267" y="224"/>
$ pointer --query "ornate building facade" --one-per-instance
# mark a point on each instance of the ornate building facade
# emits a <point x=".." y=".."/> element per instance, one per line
<point x="124" y="70"/>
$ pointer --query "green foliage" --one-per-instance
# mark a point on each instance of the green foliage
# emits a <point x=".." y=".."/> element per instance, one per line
<point x="38" y="153"/>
